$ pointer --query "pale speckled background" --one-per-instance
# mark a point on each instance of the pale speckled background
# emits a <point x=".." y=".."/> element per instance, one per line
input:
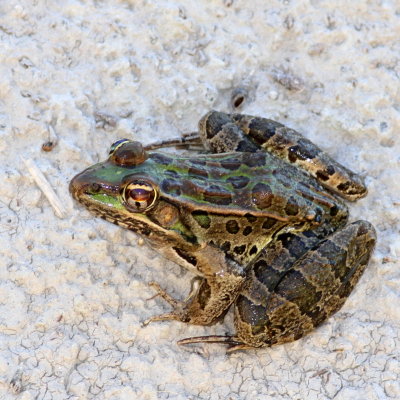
<point x="73" y="291"/>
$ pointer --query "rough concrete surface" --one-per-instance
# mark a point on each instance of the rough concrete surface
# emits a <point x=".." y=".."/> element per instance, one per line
<point x="73" y="290"/>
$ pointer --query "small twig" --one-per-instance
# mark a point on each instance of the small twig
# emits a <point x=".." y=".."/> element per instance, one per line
<point x="45" y="187"/>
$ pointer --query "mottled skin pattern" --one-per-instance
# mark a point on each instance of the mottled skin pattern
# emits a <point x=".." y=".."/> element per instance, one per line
<point x="259" y="222"/>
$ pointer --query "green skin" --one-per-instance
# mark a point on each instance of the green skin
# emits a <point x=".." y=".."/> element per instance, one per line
<point x="260" y="224"/>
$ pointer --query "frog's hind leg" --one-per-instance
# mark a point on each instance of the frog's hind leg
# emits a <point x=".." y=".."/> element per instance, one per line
<point x="221" y="132"/>
<point x="270" y="267"/>
<point x="311" y="290"/>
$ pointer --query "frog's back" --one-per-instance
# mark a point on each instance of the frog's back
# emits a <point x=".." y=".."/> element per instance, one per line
<point x="258" y="183"/>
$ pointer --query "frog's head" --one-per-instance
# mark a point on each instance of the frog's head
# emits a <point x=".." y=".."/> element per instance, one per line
<point x="125" y="190"/>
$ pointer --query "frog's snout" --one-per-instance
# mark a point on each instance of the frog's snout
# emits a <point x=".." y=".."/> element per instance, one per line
<point x="80" y="185"/>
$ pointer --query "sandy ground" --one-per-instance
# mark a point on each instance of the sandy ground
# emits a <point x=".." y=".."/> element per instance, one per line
<point x="73" y="290"/>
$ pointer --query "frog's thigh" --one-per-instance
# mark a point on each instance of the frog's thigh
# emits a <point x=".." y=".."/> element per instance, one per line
<point x="314" y="288"/>
<point x="292" y="146"/>
<point x="222" y="132"/>
<point x="219" y="133"/>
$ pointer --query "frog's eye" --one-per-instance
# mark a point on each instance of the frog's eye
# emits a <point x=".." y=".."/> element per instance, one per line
<point x="117" y="144"/>
<point x="139" y="195"/>
<point x="126" y="153"/>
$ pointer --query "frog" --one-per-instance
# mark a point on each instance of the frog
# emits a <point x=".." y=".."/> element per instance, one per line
<point x="254" y="209"/>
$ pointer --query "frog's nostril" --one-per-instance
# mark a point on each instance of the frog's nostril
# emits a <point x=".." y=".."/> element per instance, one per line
<point x="95" y="187"/>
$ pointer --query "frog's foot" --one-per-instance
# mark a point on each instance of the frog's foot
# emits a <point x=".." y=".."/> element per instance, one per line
<point x="204" y="305"/>
<point x="179" y="313"/>
<point x="315" y="287"/>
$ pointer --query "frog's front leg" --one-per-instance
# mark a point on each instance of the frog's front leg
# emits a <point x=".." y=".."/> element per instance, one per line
<point x="221" y="281"/>
<point x="221" y="132"/>
<point x="315" y="287"/>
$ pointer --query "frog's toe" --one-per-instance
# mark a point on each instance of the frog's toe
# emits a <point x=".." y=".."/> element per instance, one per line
<point x="179" y="312"/>
<point x="162" y="293"/>
<point x="162" y="317"/>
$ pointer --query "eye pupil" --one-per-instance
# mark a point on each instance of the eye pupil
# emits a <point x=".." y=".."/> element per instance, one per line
<point x="140" y="194"/>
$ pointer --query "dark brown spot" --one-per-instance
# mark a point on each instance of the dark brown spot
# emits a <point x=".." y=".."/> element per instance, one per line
<point x="238" y="182"/>
<point x="266" y="274"/>
<point x="363" y="229"/>
<point x="295" y="288"/>
<point x="171" y="187"/>
<point x="240" y="249"/>
<point x="231" y="164"/>
<point x="215" y="123"/>
<point x="336" y="256"/>
<point x="253" y="250"/>
<point x="268" y="223"/>
<point x="252" y="314"/>
<point x="232" y="227"/>
<point x="262" y="129"/>
<point x="322" y="175"/>
<point x="262" y="196"/>
<point x="198" y="172"/>
<point x="247" y="230"/>
<point x="293" y="244"/>
<point x="334" y="210"/>
<point x="250" y="218"/>
<point x="145" y="231"/>
<point x="292" y="207"/>
<point x="343" y="187"/>
<point x="281" y="141"/>
<point x="160" y="158"/>
<point x="245" y="145"/>
<point x="217" y="195"/>
<point x="226" y="246"/>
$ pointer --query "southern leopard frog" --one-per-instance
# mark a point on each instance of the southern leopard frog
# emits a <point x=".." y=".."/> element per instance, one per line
<point x="260" y="223"/>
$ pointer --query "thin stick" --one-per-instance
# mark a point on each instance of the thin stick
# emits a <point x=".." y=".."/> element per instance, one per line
<point x="45" y="187"/>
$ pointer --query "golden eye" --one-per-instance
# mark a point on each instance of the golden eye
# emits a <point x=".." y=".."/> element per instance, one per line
<point x="139" y="195"/>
